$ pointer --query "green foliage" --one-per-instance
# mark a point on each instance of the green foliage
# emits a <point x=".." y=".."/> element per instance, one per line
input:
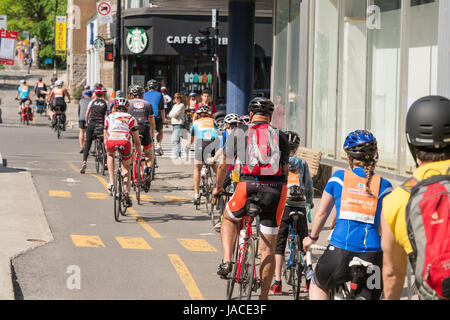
<point x="77" y="93"/>
<point x="37" y="17"/>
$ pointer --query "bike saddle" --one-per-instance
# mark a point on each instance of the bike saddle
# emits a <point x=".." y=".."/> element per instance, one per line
<point x="253" y="206"/>
<point x="296" y="213"/>
<point x="357" y="262"/>
<point x="120" y="148"/>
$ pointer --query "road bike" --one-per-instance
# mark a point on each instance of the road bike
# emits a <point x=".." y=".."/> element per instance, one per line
<point x="244" y="272"/>
<point x="206" y="186"/>
<point x="137" y="175"/>
<point x="100" y="151"/>
<point x="120" y="207"/>
<point x="59" y="125"/>
<point x="217" y="206"/>
<point x="296" y="266"/>
<point x="26" y="115"/>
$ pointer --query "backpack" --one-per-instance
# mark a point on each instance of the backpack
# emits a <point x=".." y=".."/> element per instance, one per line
<point x="262" y="152"/>
<point x="428" y="227"/>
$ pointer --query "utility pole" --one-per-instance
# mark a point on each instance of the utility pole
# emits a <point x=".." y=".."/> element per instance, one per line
<point x="54" y="42"/>
<point x="215" y="28"/>
<point x="118" y="42"/>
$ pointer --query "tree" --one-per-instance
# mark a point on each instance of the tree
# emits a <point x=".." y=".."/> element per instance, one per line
<point x="37" y="17"/>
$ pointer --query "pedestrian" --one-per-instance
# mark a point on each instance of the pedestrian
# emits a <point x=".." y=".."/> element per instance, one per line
<point x="167" y="101"/>
<point x="177" y="116"/>
<point x="30" y="64"/>
<point x="82" y="108"/>
<point x="416" y="216"/>
<point x="279" y="112"/>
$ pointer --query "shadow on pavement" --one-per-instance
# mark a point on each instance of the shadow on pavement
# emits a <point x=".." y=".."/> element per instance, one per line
<point x="10" y="170"/>
<point x="18" y="295"/>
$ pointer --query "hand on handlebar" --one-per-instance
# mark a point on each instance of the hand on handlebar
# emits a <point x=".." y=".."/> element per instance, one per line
<point x="217" y="191"/>
<point x="307" y="242"/>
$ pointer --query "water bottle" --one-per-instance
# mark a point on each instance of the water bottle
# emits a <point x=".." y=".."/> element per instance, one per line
<point x="308" y="212"/>
<point x="203" y="172"/>
<point x="241" y="237"/>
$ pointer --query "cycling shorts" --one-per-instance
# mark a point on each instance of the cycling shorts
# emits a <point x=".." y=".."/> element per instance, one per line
<point x="82" y="124"/>
<point x="146" y="138"/>
<point x="332" y="270"/>
<point x="126" y="153"/>
<point x="283" y="231"/>
<point x="23" y="100"/>
<point x="205" y="149"/>
<point x="272" y="201"/>
<point x="59" y="103"/>
<point x="158" y="124"/>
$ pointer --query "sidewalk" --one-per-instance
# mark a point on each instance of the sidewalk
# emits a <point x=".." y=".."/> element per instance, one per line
<point x="24" y="226"/>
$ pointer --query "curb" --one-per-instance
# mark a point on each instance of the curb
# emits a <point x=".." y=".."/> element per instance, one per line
<point x="6" y="284"/>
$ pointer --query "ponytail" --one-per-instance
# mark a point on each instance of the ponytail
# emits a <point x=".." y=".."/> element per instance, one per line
<point x="369" y="168"/>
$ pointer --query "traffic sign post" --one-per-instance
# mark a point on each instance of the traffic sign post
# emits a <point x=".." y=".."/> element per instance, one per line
<point x="104" y="12"/>
<point x="7" y="46"/>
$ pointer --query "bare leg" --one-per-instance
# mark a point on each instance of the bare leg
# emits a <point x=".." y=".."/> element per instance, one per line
<point x="228" y="233"/>
<point x="126" y="175"/>
<point x="81" y="138"/>
<point x="278" y="265"/>
<point x="267" y="245"/>
<point x="197" y="170"/>
<point x="111" y="167"/>
<point x="316" y="293"/>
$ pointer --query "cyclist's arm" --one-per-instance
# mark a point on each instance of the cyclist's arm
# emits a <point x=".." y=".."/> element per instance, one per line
<point x="324" y="210"/>
<point x="68" y="95"/>
<point x="221" y="173"/>
<point x="151" y="120"/>
<point x="86" y="116"/>
<point x="394" y="263"/>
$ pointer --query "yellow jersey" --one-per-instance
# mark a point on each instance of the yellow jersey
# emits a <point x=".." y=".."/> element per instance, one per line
<point x="394" y="204"/>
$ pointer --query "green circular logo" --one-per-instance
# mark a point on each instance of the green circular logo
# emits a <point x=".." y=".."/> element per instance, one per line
<point x="137" y="40"/>
<point x="99" y="43"/>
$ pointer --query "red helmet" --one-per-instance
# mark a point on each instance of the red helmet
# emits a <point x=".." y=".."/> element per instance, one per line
<point x="100" y="90"/>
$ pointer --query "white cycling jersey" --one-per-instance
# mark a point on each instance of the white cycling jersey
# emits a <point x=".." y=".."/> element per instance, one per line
<point x="118" y="126"/>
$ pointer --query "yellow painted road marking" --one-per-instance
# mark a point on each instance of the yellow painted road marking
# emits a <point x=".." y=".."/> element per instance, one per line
<point x="144" y="197"/>
<point x="135" y="215"/>
<point x="197" y="245"/>
<point x="176" y="199"/>
<point x="186" y="277"/>
<point x="95" y="195"/>
<point x="144" y="224"/>
<point x="87" y="241"/>
<point x="59" y="193"/>
<point x="133" y="243"/>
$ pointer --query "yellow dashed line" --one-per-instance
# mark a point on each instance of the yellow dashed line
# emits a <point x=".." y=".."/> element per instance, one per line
<point x="200" y="245"/>
<point x="59" y="193"/>
<point x="133" y="243"/>
<point x="95" y="195"/>
<point x="144" y="224"/>
<point x="186" y="277"/>
<point x="176" y="199"/>
<point x="87" y="241"/>
<point x="144" y="198"/>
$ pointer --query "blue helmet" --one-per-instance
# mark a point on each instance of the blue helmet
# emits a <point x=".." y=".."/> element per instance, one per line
<point x="361" y="145"/>
<point x="88" y="93"/>
<point x="192" y="94"/>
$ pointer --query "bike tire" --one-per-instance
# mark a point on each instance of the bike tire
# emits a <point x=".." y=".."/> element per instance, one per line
<point x="116" y="195"/>
<point x="138" y="183"/>
<point x="297" y="271"/>
<point x="232" y="280"/>
<point x="122" y="206"/>
<point x="105" y="159"/>
<point x="101" y="157"/>
<point x="247" y="271"/>
<point x="97" y="157"/>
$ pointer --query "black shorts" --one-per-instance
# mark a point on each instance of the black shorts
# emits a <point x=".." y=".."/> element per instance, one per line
<point x="146" y="139"/>
<point x="158" y="124"/>
<point x="23" y="100"/>
<point x="272" y="202"/>
<point x="205" y="149"/>
<point x="283" y="231"/>
<point x="82" y="124"/>
<point x="332" y="270"/>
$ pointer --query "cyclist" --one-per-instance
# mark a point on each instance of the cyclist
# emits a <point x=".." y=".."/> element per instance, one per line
<point x="23" y="94"/>
<point x="120" y="127"/>
<point x="205" y="102"/>
<point x="357" y="194"/>
<point x="300" y="177"/>
<point x="167" y="100"/>
<point x="428" y="135"/>
<point x="157" y="101"/>
<point x="204" y="132"/>
<point x="40" y="89"/>
<point x="82" y="108"/>
<point x="118" y="94"/>
<point x="264" y="173"/>
<point x="142" y="111"/>
<point x="232" y="123"/>
<point x="58" y="95"/>
<point x="95" y="115"/>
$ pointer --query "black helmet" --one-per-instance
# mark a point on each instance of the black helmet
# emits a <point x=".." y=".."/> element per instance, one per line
<point x="261" y="105"/>
<point x="294" y="139"/>
<point x="428" y="123"/>
<point x="153" y="84"/>
<point x="136" y="90"/>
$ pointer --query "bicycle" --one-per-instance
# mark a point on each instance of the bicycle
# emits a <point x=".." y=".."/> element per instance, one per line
<point x="244" y="256"/>
<point x="217" y="206"/>
<point x="118" y="189"/>
<point x="206" y="186"/>
<point x="59" y="126"/>
<point x="137" y="175"/>
<point x="100" y="151"/>
<point x="296" y="267"/>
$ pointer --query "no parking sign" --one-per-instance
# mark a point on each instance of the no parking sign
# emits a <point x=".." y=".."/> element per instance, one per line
<point x="104" y="12"/>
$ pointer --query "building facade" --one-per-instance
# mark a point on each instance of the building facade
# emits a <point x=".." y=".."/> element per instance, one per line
<point x="344" y="65"/>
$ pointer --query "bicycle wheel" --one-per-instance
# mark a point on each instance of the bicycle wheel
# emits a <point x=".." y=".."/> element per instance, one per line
<point x="232" y="280"/>
<point x="297" y="270"/>
<point x="117" y="195"/>
<point x="101" y="156"/>
<point x="123" y="207"/>
<point x="58" y="127"/>
<point x="138" y="181"/>
<point x="97" y="158"/>
<point x="247" y="270"/>
<point x="105" y="158"/>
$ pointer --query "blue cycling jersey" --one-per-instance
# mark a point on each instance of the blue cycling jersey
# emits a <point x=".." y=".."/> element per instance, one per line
<point x="24" y="93"/>
<point x="154" y="97"/>
<point x="354" y="235"/>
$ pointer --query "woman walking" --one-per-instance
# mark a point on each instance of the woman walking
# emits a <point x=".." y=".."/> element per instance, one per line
<point x="177" y="116"/>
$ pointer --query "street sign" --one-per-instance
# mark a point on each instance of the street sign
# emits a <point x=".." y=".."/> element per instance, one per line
<point x="214" y="18"/>
<point x="8" y="41"/>
<point x="104" y="12"/>
<point x="99" y="43"/>
<point x="60" y="35"/>
<point x="3" y="22"/>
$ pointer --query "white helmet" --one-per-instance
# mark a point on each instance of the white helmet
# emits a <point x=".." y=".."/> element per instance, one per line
<point x="59" y="83"/>
<point x="204" y="109"/>
<point x="232" y="118"/>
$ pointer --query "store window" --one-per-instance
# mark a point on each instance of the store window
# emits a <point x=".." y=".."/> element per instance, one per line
<point x="384" y="57"/>
<point x="325" y="76"/>
<point x="422" y="28"/>
<point x="280" y="62"/>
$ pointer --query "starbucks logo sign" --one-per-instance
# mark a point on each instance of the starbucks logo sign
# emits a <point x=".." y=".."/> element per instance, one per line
<point x="137" y="40"/>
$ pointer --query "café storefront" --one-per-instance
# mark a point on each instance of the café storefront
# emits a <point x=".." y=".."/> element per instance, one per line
<point x="166" y="48"/>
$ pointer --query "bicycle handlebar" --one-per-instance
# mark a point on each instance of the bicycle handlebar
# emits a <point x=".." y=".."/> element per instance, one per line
<point x="317" y="247"/>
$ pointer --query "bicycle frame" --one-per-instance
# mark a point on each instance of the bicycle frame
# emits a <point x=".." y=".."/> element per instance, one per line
<point x="137" y="163"/>
<point x="243" y="245"/>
